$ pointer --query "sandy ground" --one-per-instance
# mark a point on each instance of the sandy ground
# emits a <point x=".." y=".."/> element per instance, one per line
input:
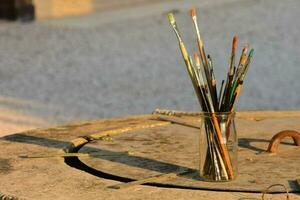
<point x="127" y="61"/>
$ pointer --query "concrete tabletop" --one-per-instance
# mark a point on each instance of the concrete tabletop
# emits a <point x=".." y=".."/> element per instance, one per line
<point x="51" y="178"/>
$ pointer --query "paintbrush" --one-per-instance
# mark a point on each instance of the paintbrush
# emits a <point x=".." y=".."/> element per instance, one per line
<point x="242" y="62"/>
<point x="213" y="82"/>
<point x="220" y="92"/>
<point x="238" y="73"/>
<point x="248" y="62"/>
<point x="199" y="40"/>
<point x="197" y="62"/>
<point x="201" y="81"/>
<point x="184" y="52"/>
<point x="201" y="48"/>
<point x="185" y="56"/>
<point x="241" y="79"/>
<point x="230" y="74"/>
<point x="232" y="57"/>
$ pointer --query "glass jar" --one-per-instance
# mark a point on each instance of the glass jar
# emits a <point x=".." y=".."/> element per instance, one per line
<point x="218" y="147"/>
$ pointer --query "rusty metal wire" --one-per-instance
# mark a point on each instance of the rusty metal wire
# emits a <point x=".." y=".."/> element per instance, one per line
<point x="266" y="191"/>
<point x="175" y="112"/>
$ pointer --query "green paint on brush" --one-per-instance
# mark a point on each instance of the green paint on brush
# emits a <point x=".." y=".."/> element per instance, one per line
<point x="232" y="91"/>
<point x="191" y="60"/>
<point x="251" y="53"/>
<point x="235" y="84"/>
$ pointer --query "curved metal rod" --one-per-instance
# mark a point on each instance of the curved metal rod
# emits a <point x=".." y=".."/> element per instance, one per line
<point x="276" y="139"/>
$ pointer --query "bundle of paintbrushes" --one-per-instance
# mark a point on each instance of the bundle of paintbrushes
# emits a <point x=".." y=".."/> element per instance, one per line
<point x="218" y="163"/>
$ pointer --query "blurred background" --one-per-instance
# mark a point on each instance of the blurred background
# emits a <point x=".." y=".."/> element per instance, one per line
<point x="73" y="60"/>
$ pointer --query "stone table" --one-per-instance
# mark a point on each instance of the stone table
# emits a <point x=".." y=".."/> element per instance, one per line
<point x="35" y="165"/>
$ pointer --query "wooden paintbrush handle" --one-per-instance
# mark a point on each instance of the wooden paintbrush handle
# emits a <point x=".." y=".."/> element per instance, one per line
<point x="223" y="149"/>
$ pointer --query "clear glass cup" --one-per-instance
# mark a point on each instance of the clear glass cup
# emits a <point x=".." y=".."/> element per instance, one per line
<point x="218" y="147"/>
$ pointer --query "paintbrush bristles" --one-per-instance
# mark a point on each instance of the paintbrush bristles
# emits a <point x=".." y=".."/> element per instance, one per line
<point x="197" y="60"/>
<point x="243" y="56"/>
<point x="174" y="25"/>
<point x="193" y="12"/>
<point x="171" y="18"/>
<point x="251" y="53"/>
<point x="232" y="58"/>
<point x="234" y="42"/>
<point x="194" y="17"/>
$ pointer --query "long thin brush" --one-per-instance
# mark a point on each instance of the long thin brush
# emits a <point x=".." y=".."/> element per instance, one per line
<point x="230" y="74"/>
<point x="201" y="49"/>
<point x="197" y="62"/>
<point x="248" y="62"/>
<point x="242" y="78"/>
<point x="223" y="167"/>
<point x="184" y="52"/>
<point x="198" y="67"/>
<point x="203" y="86"/>
<point x="242" y="61"/>
<point x="213" y="83"/>
<point x="238" y="73"/>
<point x="232" y="57"/>
<point x="203" y="58"/>
<point x="221" y="90"/>
<point x="223" y="148"/>
<point x="199" y="40"/>
<point x="185" y="56"/>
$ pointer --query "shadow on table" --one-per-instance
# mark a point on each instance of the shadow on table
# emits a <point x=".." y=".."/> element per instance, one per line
<point x="131" y="160"/>
<point x="249" y="144"/>
<point x="134" y="161"/>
